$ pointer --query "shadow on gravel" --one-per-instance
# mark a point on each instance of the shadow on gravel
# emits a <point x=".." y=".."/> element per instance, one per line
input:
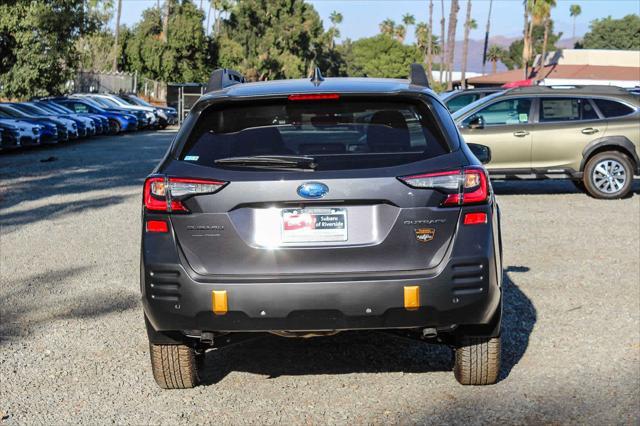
<point x="53" y="210"/>
<point x="108" y="162"/>
<point x="542" y="187"/>
<point x="518" y="319"/>
<point x="43" y="298"/>
<point x="368" y="352"/>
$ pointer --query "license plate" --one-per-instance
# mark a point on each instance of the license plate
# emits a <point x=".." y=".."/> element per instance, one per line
<point x="314" y="225"/>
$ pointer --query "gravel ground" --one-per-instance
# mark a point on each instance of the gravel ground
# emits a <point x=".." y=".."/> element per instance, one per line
<point x="73" y="347"/>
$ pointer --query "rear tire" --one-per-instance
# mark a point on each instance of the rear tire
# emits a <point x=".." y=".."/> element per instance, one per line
<point x="608" y="175"/>
<point x="477" y="360"/>
<point x="174" y="366"/>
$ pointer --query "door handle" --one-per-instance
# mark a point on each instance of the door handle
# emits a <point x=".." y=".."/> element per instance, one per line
<point x="520" y="133"/>
<point x="589" y="131"/>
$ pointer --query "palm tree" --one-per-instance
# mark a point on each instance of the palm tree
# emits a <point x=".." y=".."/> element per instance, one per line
<point x="117" y="36"/>
<point x="442" y="42"/>
<point x="430" y="41"/>
<point x="451" y="39"/>
<point x="528" y="31"/>
<point x="422" y="34"/>
<point x="542" y="12"/>
<point x="574" y="11"/>
<point x="408" y="20"/>
<point x="165" y="20"/>
<point x="495" y="54"/>
<point x="388" y="27"/>
<point x="400" y="32"/>
<point x="334" y="32"/>
<point x="486" y="37"/>
<point x="469" y="24"/>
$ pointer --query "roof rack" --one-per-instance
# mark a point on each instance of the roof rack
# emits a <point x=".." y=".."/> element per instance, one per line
<point x="591" y="88"/>
<point x="417" y="76"/>
<point x="223" y="77"/>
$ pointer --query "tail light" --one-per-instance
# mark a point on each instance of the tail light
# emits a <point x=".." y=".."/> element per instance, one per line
<point x="166" y="194"/>
<point x="466" y="186"/>
<point x="314" y="97"/>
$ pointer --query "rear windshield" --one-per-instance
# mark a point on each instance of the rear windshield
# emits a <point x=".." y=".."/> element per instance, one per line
<point x="338" y="134"/>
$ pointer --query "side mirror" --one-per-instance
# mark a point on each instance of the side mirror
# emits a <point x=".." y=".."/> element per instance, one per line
<point x="482" y="153"/>
<point x="476" y="122"/>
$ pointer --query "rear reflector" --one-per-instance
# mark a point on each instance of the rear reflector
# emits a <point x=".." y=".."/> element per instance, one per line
<point x="466" y="186"/>
<point x="315" y="97"/>
<point x="157" y="226"/>
<point x="475" y="218"/>
<point x="166" y="194"/>
<point x="219" y="304"/>
<point x="412" y="297"/>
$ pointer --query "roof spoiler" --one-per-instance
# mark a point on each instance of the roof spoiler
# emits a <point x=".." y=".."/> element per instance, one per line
<point x="418" y="76"/>
<point x="223" y="77"/>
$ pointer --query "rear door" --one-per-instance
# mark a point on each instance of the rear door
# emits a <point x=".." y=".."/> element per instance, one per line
<point x="565" y="126"/>
<point x="507" y="131"/>
<point x="349" y="213"/>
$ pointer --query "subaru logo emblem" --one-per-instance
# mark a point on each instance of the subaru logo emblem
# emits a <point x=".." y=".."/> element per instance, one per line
<point x="313" y="190"/>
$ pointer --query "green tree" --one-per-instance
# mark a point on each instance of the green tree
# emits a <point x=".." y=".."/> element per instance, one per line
<point x="609" y="33"/>
<point x="379" y="56"/>
<point x="574" y="11"/>
<point x="542" y="11"/>
<point x="184" y="56"/>
<point x="513" y="56"/>
<point x="273" y="39"/>
<point x="37" y="39"/>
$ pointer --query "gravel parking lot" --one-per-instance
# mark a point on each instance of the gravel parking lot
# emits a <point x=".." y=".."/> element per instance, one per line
<point x="73" y="347"/>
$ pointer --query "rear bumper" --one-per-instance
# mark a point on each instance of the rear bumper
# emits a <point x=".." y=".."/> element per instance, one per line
<point x="465" y="289"/>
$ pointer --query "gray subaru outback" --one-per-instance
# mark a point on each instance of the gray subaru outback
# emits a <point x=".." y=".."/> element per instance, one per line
<point x="309" y="207"/>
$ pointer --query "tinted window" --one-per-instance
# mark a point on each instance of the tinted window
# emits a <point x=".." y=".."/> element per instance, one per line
<point x="510" y="111"/>
<point x="461" y="101"/>
<point x="566" y="109"/>
<point x="78" y="107"/>
<point x="612" y="108"/>
<point x="342" y="134"/>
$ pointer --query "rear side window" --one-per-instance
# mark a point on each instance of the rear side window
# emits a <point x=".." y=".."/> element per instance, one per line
<point x="461" y="101"/>
<point x="566" y="109"/>
<point x="338" y="134"/>
<point x="610" y="108"/>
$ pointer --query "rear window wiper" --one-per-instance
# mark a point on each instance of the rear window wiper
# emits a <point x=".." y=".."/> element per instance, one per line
<point x="270" y="162"/>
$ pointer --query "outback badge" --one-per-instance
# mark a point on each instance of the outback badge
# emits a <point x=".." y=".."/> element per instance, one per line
<point x="424" y="235"/>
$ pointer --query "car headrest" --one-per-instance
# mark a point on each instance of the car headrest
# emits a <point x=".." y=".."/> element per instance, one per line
<point x="259" y="141"/>
<point x="388" y="132"/>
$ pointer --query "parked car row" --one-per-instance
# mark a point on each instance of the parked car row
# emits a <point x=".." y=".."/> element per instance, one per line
<point x="589" y="134"/>
<point x="58" y="119"/>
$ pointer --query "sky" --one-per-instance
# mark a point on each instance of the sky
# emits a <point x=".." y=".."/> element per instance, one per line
<point x="361" y="17"/>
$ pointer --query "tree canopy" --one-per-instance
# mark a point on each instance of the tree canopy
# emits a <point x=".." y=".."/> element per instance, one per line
<point x="183" y="57"/>
<point x="379" y="56"/>
<point x="268" y="39"/>
<point x="37" y="39"/>
<point x="609" y="33"/>
<point x="513" y="57"/>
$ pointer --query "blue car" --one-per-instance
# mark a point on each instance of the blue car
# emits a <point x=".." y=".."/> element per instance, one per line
<point x="85" y="125"/>
<point x="118" y="121"/>
<point x="16" y="133"/>
<point x="67" y="129"/>
<point x="49" y="131"/>
<point x="101" y="121"/>
<point x="52" y="130"/>
<point x="95" y="123"/>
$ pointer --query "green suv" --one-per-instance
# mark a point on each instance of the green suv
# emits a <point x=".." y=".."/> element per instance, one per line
<point x="590" y="134"/>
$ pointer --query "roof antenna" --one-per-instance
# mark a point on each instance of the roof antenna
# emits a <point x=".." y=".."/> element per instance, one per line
<point x="317" y="77"/>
